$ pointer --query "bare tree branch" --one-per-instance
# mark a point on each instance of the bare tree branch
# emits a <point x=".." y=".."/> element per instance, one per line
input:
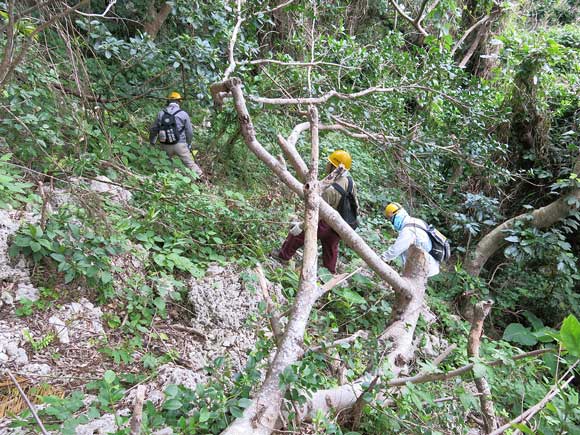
<point x="481" y="310"/>
<point x="542" y="217"/>
<point x="540" y="405"/>
<point x="232" y="44"/>
<point x="432" y="377"/>
<point x="7" y="66"/>
<point x="274" y="9"/>
<point x="468" y="32"/>
<point x="347" y="340"/>
<point x="261" y="416"/>
<point x="472" y="48"/>
<point x="274" y="316"/>
<point x="416" y="23"/>
<point x="342" y="96"/>
<point x="27" y="401"/>
<point x="137" y="417"/>
<point x="102" y="15"/>
<point x="295" y="63"/>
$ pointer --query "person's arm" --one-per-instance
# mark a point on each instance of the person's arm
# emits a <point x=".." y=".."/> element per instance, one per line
<point x="401" y="245"/>
<point x="154" y="131"/>
<point x="188" y="129"/>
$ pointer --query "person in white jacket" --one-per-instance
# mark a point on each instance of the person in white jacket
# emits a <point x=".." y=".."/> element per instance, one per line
<point x="412" y="231"/>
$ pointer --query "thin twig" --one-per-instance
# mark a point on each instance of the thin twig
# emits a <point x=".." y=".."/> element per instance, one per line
<point x="340" y="342"/>
<point x="103" y="15"/>
<point x="27" y="401"/>
<point x="273" y="314"/>
<point x="538" y="406"/>
<point x="280" y="6"/>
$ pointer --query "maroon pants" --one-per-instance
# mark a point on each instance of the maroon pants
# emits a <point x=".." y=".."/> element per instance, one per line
<point x="327" y="237"/>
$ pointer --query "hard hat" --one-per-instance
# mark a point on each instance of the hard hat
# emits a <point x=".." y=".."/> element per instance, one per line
<point x="174" y="96"/>
<point x="392" y="209"/>
<point x="340" y="157"/>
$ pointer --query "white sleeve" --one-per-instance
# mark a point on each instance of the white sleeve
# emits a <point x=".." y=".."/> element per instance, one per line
<point x="405" y="239"/>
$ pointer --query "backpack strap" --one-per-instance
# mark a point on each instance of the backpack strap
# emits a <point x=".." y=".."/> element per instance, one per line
<point x="340" y="190"/>
<point x="421" y="227"/>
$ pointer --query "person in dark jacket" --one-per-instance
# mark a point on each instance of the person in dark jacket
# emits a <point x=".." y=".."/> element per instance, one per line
<point x="182" y="148"/>
<point x="327" y="236"/>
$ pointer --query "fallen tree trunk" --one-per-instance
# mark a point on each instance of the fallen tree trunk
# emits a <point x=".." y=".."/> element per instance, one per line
<point x="543" y="217"/>
<point x="261" y="417"/>
<point x="397" y="342"/>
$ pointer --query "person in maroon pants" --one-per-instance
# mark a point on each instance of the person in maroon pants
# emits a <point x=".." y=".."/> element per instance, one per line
<point x="327" y="236"/>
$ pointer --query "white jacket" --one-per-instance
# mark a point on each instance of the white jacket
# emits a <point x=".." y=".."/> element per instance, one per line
<point x="412" y="236"/>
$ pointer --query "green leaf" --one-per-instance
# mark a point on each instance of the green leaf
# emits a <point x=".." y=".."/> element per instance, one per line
<point x="171" y="390"/>
<point x="570" y="335"/>
<point x="57" y="257"/>
<point x="172" y="404"/>
<point x="523" y="428"/>
<point x="352" y="296"/>
<point x="517" y="333"/>
<point x="236" y="412"/>
<point x="35" y="246"/>
<point x="244" y="403"/>
<point x="204" y="415"/>
<point x="536" y="323"/>
<point x="109" y="376"/>
<point x="479" y="370"/>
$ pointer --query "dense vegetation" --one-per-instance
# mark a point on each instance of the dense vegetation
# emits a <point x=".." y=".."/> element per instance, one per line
<point x="479" y="125"/>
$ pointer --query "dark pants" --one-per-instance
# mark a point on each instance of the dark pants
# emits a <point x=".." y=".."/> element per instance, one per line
<point x="327" y="237"/>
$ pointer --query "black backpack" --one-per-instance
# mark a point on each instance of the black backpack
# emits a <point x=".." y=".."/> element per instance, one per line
<point x="168" y="131"/>
<point x="347" y="205"/>
<point x="441" y="248"/>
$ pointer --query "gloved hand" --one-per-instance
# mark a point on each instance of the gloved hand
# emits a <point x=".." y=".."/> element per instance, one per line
<point x="384" y="257"/>
<point x="189" y="146"/>
<point x="296" y="228"/>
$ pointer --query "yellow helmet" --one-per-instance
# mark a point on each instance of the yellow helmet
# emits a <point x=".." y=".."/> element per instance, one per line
<point x="174" y="96"/>
<point x="340" y="157"/>
<point x="392" y="209"/>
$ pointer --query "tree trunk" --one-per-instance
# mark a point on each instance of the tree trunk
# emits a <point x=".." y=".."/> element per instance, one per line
<point x="543" y="217"/>
<point x="480" y="312"/>
<point x="157" y="19"/>
<point x="397" y="340"/>
<point x="476" y="54"/>
<point x="262" y="415"/>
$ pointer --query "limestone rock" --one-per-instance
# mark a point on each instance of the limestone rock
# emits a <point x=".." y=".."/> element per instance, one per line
<point x="222" y="305"/>
<point x="116" y="193"/>
<point x="11" y="341"/>
<point x="60" y="329"/>
<point x="82" y="320"/>
<point x="171" y="374"/>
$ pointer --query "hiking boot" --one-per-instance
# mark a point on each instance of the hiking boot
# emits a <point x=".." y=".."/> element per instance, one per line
<point x="275" y="254"/>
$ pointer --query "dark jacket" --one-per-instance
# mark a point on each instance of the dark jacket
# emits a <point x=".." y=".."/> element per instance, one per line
<point x="183" y="125"/>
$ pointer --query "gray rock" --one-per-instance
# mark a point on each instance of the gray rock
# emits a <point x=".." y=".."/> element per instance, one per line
<point x="82" y="320"/>
<point x="36" y="370"/>
<point x="116" y="193"/>
<point x="100" y="426"/>
<point x="27" y="291"/>
<point x="171" y="374"/>
<point x="213" y="270"/>
<point x="60" y="329"/>
<point x="7" y="298"/>
<point x="222" y="305"/>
